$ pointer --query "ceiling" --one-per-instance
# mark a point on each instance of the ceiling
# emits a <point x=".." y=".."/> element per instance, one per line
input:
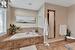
<point x="65" y="3"/>
<point x="36" y="4"/>
<point x="27" y="4"/>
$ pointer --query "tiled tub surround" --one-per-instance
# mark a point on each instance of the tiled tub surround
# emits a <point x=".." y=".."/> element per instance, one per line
<point x="18" y="43"/>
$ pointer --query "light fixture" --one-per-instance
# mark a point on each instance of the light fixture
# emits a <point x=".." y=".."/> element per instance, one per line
<point x="3" y="3"/>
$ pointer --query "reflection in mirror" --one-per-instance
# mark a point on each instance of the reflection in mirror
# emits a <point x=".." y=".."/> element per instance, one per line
<point x="28" y="15"/>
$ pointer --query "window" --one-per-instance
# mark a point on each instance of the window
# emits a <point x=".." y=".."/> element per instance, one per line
<point x="2" y="21"/>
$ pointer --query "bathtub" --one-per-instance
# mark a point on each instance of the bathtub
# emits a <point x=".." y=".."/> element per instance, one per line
<point x="70" y="37"/>
<point x="24" y="35"/>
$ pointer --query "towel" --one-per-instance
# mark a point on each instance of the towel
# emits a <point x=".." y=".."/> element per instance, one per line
<point x="45" y="27"/>
<point x="63" y="30"/>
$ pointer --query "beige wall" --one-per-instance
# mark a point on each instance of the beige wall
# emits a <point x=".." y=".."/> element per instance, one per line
<point x="60" y="15"/>
<point x="71" y="19"/>
<point x="10" y="15"/>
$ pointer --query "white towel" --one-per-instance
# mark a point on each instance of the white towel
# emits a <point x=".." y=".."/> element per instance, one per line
<point x="63" y="29"/>
<point x="45" y="27"/>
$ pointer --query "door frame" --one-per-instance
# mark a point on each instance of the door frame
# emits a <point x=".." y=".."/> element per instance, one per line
<point x="54" y="21"/>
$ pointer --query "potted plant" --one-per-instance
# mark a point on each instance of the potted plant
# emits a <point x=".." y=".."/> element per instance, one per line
<point x="68" y="32"/>
<point x="13" y="29"/>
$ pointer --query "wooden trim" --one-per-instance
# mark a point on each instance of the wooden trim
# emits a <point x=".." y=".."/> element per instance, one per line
<point x="54" y="20"/>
